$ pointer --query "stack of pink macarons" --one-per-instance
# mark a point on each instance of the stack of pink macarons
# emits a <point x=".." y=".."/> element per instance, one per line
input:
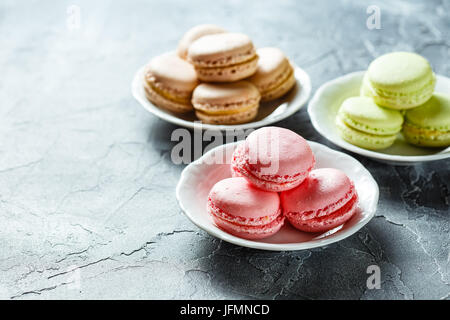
<point x="273" y="179"/>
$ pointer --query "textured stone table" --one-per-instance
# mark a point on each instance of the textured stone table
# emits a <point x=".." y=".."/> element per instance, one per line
<point x="87" y="186"/>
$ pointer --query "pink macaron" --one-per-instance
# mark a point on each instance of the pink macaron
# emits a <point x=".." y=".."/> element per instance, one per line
<point x="273" y="159"/>
<point x="239" y="208"/>
<point x="326" y="199"/>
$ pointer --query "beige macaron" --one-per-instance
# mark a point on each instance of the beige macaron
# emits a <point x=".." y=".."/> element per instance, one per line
<point x="223" y="57"/>
<point x="169" y="82"/>
<point x="193" y="34"/>
<point x="226" y="103"/>
<point x="275" y="74"/>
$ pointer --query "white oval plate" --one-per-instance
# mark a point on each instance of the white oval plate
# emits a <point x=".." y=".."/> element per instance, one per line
<point x="269" y="112"/>
<point x="199" y="177"/>
<point x="325" y="104"/>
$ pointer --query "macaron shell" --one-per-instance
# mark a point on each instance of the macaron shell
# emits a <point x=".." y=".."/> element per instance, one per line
<point x="161" y="101"/>
<point x="237" y="197"/>
<point x="399" y="71"/>
<point x="425" y="137"/>
<point x="275" y="75"/>
<point x="196" y="33"/>
<point x="239" y="169"/>
<point x="322" y="189"/>
<point x="243" y="210"/>
<point x="231" y="73"/>
<point x="362" y="139"/>
<point x="273" y="186"/>
<point x="363" y="114"/>
<point x="429" y="124"/>
<point x="248" y="232"/>
<point x="400" y="80"/>
<point x="272" y="65"/>
<point x="170" y="71"/>
<point x="434" y="114"/>
<point x="277" y="151"/>
<point x="326" y="199"/>
<point x="326" y="223"/>
<point x="226" y="103"/>
<point x="281" y="89"/>
<point x="219" y="50"/>
<point x="275" y="183"/>
<point x="401" y="100"/>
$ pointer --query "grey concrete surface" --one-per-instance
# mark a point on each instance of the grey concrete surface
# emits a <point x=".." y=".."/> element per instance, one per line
<point x="87" y="186"/>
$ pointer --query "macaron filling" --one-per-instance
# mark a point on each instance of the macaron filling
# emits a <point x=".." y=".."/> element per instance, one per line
<point x="350" y="198"/>
<point x="269" y="185"/>
<point x="232" y="72"/>
<point x="324" y="223"/>
<point x="183" y="97"/>
<point x="240" y="164"/>
<point x="363" y="139"/>
<point x="241" y="221"/>
<point x="226" y="61"/>
<point x="414" y="132"/>
<point x="363" y="114"/>
<point x="368" y="129"/>
<point x="252" y="232"/>
<point x="227" y="111"/>
<point x="227" y="108"/>
<point x="400" y="98"/>
<point x="277" y="82"/>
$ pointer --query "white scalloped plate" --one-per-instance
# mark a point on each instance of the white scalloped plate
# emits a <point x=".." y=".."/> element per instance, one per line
<point x="325" y="104"/>
<point x="199" y="177"/>
<point x="269" y="112"/>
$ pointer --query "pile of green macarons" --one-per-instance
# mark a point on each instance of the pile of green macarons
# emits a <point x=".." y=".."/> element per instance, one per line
<point x="397" y="94"/>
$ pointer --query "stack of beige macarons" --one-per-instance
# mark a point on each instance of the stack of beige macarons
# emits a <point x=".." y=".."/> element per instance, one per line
<point x="218" y="74"/>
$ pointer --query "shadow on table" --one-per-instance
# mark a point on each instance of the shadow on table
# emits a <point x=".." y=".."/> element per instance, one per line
<point x="338" y="271"/>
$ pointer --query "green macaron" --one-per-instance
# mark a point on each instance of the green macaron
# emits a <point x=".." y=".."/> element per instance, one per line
<point x="429" y="124"/>
<point x="363" y="123"/>
<point x="399" y="80"/>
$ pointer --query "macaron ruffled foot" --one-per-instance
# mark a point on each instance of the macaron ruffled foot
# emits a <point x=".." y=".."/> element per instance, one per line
<point x="429" y="124"/>
<point x="273" y="159"/>
<point x="325" y="200"/>
<point x="223" y="57"/>
<point x="275" y="74"/>
<point x="243" y="210"/>
<point x="169" y="82"/>
<point x="363" y="123"/>
<point x="226" y="103"/>
<point x="399" y="80"/>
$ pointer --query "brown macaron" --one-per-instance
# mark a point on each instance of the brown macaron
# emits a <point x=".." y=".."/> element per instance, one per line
<point x="169" y="82"/>
<point x="275" y="74"/>
<point x="226" y="103"/>
<point x="193" y="34"/>
<point x="223" y="57"/>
